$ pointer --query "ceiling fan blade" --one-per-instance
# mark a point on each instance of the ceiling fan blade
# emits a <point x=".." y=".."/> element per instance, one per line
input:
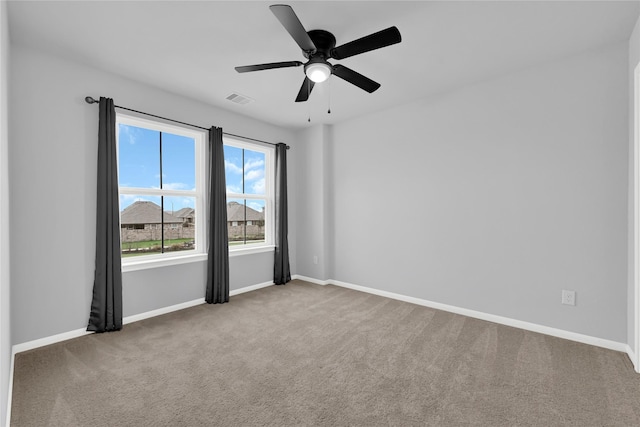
<point x="373" y="41"/>
<point x="259" y="67"/>
<point x="292" y="24"/>
<point x="305" y="90"/>
<point x="354" y="78"/>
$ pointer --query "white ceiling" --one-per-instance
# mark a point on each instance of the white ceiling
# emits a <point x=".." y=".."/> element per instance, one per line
<point x="191" y="48"/>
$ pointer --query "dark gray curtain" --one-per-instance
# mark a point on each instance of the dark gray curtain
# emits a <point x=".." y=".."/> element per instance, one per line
<point x="218" y="261"/>
<point x="106" y="307"/>
<point x="281" y="272"/>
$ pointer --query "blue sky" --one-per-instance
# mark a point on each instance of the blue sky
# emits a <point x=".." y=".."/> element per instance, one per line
<point x="251" y="171"/>
<point x="139" y="166"/>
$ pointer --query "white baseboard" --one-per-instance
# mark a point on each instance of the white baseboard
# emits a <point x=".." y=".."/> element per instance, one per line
<point x="188" y="304"/>
<point x="560" y="333"/>
<point x="161" y="311"/>
<point x="250" y="288"/>
<point x="10" y="391"/>
<point x="310" y="280"/>
<point x="41" y="342"/>
<point x="633" y="357"/>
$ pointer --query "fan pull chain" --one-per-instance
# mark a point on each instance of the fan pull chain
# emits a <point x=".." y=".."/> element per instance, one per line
<point x="329" y="93"/>
<point x="308" y="102"/>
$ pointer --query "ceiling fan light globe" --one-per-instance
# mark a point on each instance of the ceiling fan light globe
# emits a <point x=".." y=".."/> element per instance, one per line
<point x="318" y="72"/>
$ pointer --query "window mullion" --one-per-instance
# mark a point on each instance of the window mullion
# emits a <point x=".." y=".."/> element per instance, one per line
<point x="161" y="203"/>
<point x="250" y="196"/>
<point x="157" y="192"/>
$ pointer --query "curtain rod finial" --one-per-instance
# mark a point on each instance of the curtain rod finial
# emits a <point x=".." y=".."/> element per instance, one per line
<point x="90" y="100"/>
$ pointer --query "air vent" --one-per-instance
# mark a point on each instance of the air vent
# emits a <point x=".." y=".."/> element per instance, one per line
<point x="239" y="99"/>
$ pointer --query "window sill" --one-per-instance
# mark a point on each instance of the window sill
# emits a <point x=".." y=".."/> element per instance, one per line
<point x="186" y="259"/>
<point x="162" y="262"/>
<point x="249" y="251"/>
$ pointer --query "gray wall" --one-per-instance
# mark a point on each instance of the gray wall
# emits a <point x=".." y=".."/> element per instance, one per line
<point x="634" y="60"/>
<point x="52" y="169"/>
<point x="5" y="318"/>
<point x="311" y="166"/>
<point x="493" y="197"/>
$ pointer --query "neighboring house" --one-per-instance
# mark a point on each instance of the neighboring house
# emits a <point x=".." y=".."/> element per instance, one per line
<point x="187" y="215"/>
<point x="143" y="220"/>
<point x="242" y="219"/>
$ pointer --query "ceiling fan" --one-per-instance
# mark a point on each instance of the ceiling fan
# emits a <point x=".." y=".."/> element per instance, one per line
<point x="318" y="46"/>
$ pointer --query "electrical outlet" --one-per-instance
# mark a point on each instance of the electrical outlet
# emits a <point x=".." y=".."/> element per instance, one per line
<point x="315" y="259"/>
<point x="569" y="297"/>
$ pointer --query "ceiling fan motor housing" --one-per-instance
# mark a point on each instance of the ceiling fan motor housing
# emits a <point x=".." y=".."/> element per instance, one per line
<point x="324" y="41"/>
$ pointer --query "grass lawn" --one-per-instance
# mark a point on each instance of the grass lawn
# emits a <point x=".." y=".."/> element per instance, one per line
<point x="129" y="248"/>
<point x="145" y="244"/>
<point x="240" y="242"/>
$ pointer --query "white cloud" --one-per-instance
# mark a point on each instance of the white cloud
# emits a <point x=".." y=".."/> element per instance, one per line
<point x="174" y="186"/>
<point x="232" y="167"/>
<point x="127" y="133"/>
<point x="252" y="164"/>
<point x="233" y="189"/>
<point x="254" y="174"/>
<point x="258" y="186"/>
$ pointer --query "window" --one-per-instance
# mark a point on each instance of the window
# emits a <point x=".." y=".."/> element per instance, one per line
<point x="249" y="177"/>
<point x="161" y="181"/>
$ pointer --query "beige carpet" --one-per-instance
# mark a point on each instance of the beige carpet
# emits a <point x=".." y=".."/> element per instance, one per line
<point x="305" y="354"/>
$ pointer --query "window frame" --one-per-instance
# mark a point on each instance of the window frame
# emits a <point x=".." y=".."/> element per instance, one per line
<point x="199" y="250"/>
<point x="268" y="196"/>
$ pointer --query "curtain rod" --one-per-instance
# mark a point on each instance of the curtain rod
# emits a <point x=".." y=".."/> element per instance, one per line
<point x="90" y="100"/>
